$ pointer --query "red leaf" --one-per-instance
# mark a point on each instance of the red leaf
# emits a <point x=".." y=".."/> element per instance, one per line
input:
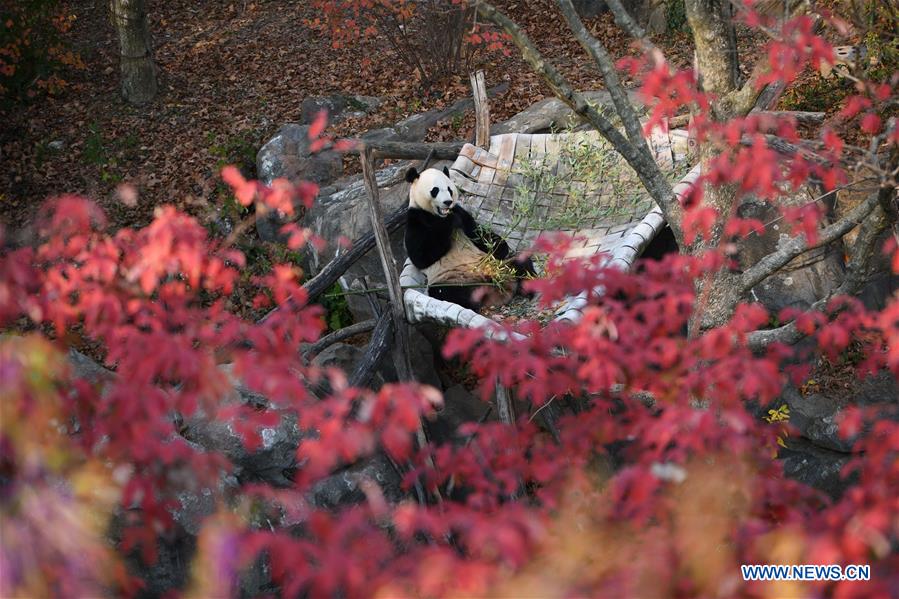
<point x="871" y="123"/>
<point x="318" y="125"/>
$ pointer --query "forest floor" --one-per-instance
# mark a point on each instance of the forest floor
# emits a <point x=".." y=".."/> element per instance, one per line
<point x="231" y="73"/>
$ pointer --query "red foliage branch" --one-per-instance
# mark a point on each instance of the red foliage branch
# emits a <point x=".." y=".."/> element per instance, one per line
<point x="663" y="480"/>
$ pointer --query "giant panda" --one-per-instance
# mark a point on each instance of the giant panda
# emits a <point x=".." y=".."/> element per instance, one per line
<point x="456" y="254"/>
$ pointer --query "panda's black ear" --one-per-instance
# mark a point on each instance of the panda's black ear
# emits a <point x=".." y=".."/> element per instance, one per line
<point x="446" y="171"/>
<point x="411" y="175"/>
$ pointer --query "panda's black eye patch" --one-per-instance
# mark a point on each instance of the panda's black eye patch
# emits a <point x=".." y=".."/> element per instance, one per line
<point x="434" y="192"/>
<point x="450" y="190"/>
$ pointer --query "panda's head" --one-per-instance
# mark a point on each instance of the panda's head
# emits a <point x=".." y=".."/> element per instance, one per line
<point x="432" y="191"/>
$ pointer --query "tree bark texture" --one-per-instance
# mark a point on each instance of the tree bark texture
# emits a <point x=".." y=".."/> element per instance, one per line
<point x="138" y="70"/>
<point x="712" y="23"/>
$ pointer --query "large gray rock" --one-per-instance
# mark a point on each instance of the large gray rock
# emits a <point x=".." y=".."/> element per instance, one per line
<point x="273" y="462"/>
<point x="421" y="355"/>
<point x="816" y="467"/>
<point x="170" y="571"/>
<point x="345" y="357"/>
<point x="86" y="368"/>
<point x="801" y="282"/>
<point x="287" y="155"/>
<point x="346" y="487"/>
<point x="338" y="106"/>
<point x="588" y="9"/>
<point x="651" y="14"/>
<point x="459" y="407"/>
<point x="339" y="355"/>
<point x="344" y="213"/>
<point x="196" y="505"/>
<point x="817" y="415"/>
<point x="415" y="127"/>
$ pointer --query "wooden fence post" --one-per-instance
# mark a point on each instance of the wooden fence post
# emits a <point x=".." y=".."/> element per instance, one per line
<point x="401" y="358"/>
<point x="481" y="110"/>
<point x="504" y="406"/>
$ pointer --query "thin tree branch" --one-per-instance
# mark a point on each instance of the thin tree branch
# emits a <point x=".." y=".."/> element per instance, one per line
<point x="745" y="99"/>
<point x="857" y="271"/>
<point x="799" y="245"/>
<point x="609" y="75"/>
<point x="412" y="150"/>
<point x="781" y="146"/>
<point x="624" y="20"/>
<point x="357" y="328"/>
<point x="788" y="334"/>
<point x="380" y="343"/>
<point x="802" y="117"/>
<point x="742" y="100"/>
<point x="645" y="167"/>
<point x="865" y="247"/>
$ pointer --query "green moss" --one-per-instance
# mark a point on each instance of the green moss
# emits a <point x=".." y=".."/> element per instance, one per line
<point x="676" y="16"/>
<point x="239" y="150"/>
<point x="337" y="309"/>
<point x="818" y="95"/>
<point x="105" y="153"/>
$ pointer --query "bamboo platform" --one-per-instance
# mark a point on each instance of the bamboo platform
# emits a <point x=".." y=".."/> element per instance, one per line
<point x="573" y="183"/>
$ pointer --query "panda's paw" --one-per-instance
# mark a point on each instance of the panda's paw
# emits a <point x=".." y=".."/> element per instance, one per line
<point x="456" y="295"/>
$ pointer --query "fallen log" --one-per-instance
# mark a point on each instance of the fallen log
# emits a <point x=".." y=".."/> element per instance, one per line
<point x="410" y="150"/>
<point x="313" y="349"/>
<point x="339" y="265"/>
<point x="378" y="346"/>
<point x="802" y="117"/>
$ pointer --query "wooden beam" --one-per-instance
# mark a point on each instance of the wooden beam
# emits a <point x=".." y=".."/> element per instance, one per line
<point x="357" y="328"/>
<point x="378" y="346"/>
<point x="409" y="150"/>
<point x="802" y="117"/>
<point x="401" y="352"/>
<point x="401" y="357"/>
<point x="481" y="110"/>
<point x="504" y="407"/>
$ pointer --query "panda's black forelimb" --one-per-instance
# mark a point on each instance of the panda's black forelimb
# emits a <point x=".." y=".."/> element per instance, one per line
<point x="490" y="243"/>
<point x="428" y="237"/>
<point x="483" y="237"/>
<point x="456" y="294"/>
<point x="524" y="269"/>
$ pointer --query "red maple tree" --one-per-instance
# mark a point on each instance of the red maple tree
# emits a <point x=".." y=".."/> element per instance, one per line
<point x="662" y="480"/>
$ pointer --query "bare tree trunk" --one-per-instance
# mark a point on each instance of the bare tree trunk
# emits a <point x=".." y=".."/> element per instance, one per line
<point x="716" y="63"/>
<point x="138" y="70"/>
<point x="712" y="22"/>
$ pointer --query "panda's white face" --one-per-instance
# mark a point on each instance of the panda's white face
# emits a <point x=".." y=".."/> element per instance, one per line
<point x="434" y="192"/>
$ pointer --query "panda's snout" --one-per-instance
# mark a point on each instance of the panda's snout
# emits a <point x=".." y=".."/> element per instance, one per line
<point x="447" y="203"/>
